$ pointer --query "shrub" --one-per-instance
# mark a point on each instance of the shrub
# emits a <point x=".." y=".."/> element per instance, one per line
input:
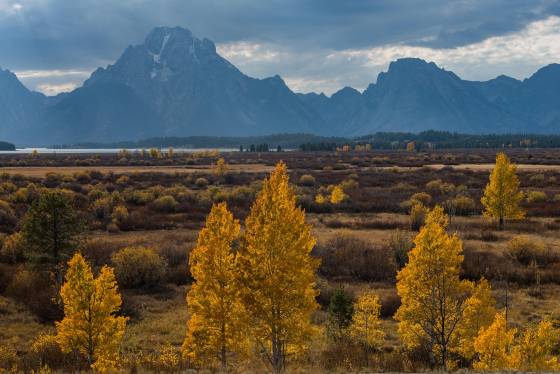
<point x="400" y="243"/>
<point x="12" y="248"/>
<point x="7" y="214"/>
<point x="417" y="216"/>
<point x="525" y="249"/>
<point x="348" y="256"/>
<point x="421" y="197"/>
<point x="140" y="197"/>
<point x="201" y="182"/>
<point x="536" y="197"/>
<point x="119" y="215"/>
<point x="138" y="266"/>
<point x="537" y="179"/>
<point x="307" y="180"/>
<point x="8" y="359"/>
<point x="45" y="351"/>
<point x="36" y="291"/>
<point x="123" y="180"/>
<point x="461" y="205"/>
<point x="165" y="204"/>
<point x="438" y="186"/>
<point x="389" y="305"/>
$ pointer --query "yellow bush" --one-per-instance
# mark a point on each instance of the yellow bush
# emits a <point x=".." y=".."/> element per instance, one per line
<point x="525" y="249"/>
<point x="536" y="197"/>
<point x="138" y="266"/>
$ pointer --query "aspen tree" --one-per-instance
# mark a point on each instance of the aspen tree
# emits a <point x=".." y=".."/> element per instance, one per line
<point x="493" y="346"/>
<point x="502" y="196"/>
<point x="89" y="324"/>
<point x="433" y="298"/>
<point x="216" y="329"/>
<point x="277" y="272"/>
<point x="534" y="352"/>
<point x="365" y="327"/>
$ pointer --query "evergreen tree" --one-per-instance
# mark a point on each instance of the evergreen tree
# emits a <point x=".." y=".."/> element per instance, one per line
<point x="51" y="228"/>
<point x="341" y="309"/>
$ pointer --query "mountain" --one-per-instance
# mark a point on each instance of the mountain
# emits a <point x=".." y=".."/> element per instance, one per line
<point x="19" y="108"/>
<point x="413" y="96"/>
<point x="174" y="84"/>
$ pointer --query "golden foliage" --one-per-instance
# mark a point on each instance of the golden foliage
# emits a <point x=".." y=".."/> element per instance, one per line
<point x="479" y="312"/>
<point x="277" y="271"/>
<point x="337" y="195"/>
<point x="220" y="169"/>
<point x="502" y="196"/>
<point x="433" y="296"/>
<point x="365" y="327"/>
<point x="534" y="352"/>
<point x="90" y="325"/>
<point x="216" y="328"/>
<point x="493" y="346"/>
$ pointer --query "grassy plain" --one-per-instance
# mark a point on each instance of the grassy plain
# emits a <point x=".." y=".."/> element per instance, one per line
<point x="378" y="186"/>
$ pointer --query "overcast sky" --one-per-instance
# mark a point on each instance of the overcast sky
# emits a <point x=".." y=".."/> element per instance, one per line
<point x="315" y="45"/>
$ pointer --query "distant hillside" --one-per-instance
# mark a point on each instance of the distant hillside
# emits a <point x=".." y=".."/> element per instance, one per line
<point x="425" y="140"/>
<point x="5" y="146"/>
<point x="176" y="85"/>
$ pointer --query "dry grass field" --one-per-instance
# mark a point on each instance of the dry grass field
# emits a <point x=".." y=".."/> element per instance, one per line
<point x="357" y="240"/>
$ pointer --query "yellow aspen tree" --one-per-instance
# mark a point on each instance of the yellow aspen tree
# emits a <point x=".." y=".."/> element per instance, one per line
<point x="216" y="329"/>
<point x="220" y="169"/>
<point x="337" y="195"/>
<point x="534" y="352"/>
<point x="278" y="273"/>
<point x="479" y="312"/>
<point x="365" y="327"/>
<point x="493" y="346"/>
<point x="90" y="325"/>
<point x="433" y="298"/>
<point x="502" y="196"/>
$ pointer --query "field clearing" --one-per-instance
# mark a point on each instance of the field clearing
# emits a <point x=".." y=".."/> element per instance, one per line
<point x="42" y="171"/>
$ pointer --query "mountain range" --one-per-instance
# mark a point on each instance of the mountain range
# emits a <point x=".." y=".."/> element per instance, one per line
<point x="175" y="84"/>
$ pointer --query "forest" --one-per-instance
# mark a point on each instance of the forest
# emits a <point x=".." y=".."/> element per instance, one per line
<point x="352" y="259"/>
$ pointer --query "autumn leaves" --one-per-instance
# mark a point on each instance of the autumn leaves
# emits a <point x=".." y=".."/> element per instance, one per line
<point x="254" y="293"/>
<point x="261" y="295"/>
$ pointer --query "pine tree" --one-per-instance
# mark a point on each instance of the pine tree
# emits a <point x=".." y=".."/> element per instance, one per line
<point x="433" y="297"/>
<point x="216" y="328"/>
<point x="277" y="271"/>
<point x="365" y="327"/>
<point x="502" y="196"/>
<point x="51" y="228"/>
<point x="90" y="325"/>
<point x="341" y="309"/>
<point x="493" y="346"/>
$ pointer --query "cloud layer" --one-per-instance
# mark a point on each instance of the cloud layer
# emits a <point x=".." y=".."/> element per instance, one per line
<point x="318" y="45"/>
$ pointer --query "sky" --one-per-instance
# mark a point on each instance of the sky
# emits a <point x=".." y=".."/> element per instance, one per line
<point x="314" y="45"/>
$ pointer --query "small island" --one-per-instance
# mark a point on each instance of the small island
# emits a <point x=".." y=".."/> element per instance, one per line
<point x="5" y="146"/>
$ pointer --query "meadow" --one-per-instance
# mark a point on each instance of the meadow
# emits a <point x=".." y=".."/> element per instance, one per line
<point x="161" y="200"/>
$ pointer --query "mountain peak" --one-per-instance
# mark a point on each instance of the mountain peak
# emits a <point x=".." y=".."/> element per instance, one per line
<point x="411" y="64"/>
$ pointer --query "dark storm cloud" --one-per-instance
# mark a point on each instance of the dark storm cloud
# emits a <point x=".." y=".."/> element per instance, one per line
<point x="45" y="34"/>
<point x="82" y="34"/>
